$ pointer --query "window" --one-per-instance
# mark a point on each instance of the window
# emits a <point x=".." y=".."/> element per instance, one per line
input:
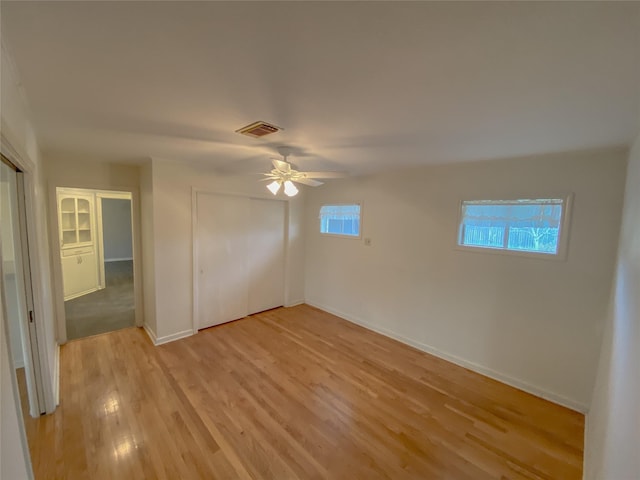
<point x="340" y="220"/>
<point x="526" y="225"/>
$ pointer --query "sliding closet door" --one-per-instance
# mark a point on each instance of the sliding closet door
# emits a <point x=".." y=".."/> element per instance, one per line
<point x="239" y="248"/>
<point x="15" y="287"/>
<point x="266" y="254"/>
<point x="221" y="242"/>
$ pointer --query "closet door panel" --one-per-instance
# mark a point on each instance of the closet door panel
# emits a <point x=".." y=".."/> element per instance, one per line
<point x="221" y="238"/>
<point x="266" y="243"/>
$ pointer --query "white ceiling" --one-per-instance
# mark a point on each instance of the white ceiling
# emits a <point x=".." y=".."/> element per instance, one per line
<point x="359" y="87"/>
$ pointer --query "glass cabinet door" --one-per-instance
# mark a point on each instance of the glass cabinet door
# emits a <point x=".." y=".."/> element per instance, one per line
<point x="75" y="221"/>
<point x="68" y="221"/>
<point x="84" y="220"/>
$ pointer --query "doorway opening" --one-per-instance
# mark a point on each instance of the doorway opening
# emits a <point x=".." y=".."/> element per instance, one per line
<point x="96" y="252"/>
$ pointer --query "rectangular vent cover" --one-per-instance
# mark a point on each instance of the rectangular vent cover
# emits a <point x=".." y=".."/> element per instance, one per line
<point x="259" y="129"/>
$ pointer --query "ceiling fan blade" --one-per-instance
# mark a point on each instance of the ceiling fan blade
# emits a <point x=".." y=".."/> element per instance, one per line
<point x="325" y="174"/>
<point x="281" y="166"/>
<point x="308" y="181"/>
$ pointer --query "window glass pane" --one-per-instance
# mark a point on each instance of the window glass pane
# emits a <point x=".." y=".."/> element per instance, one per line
<point x="340" y="220"/>
<point x="519" y="225"/>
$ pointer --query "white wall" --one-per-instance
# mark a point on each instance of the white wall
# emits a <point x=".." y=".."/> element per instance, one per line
<point x="530" y="322"/>
<point x="116" y="229"/>
<point x="173" y="239"/>
<point x="612" y="438"/>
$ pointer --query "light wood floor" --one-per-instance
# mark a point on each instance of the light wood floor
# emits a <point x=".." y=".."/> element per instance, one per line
<point x="286" y="394"/>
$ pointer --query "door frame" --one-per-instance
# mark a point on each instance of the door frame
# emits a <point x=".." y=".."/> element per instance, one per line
<point x="194" y="231"/>
<point x="36" y="405"/>
<point x="100" y="233"/>
<point x="56" y="259"/>
<point x="50" y="374"/>
<point x="24" y="292"/>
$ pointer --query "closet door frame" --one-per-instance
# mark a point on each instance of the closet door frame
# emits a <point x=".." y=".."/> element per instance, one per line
<point x="21" y="160"/>
<point x="196" y="254"/>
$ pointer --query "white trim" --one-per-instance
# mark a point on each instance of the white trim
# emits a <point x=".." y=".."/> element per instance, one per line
<point x="99" y="237"/>
<point x="25" y="164"/>
<point x="150" y="333"/>
<point x="286" y="278"/>
<point x="195" y="311"/>
<point x="167" y="338"/>
<point x="56" y="376"/>
<point x="107" y="260"/>
<point x="18" y="363"/>
<point x="99" y="196"/>
<point x="234" y="193"/>
<point x="81" y="294"/>
<point x="488" y="372"/>
<point x="34" y="355"/>
<point x="341" y="235"/>
<point x="563" y="234"/>
<point x="293" y="303"/>
<point x="174" y="336"/>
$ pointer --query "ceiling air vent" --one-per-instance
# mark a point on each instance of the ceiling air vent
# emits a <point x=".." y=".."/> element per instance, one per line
<point x="259" y="129"/>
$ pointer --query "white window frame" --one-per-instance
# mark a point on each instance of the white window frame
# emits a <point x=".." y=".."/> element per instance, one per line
<point x="563" y="233"/>
<point x="340" y="235"/>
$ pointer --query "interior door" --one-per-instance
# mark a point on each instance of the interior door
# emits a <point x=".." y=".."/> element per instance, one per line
<point x="266" y="254"/>
<point x="221" y="242"/>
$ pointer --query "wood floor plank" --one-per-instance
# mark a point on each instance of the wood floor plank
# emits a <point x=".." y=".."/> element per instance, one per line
<point x="292" y="393"/>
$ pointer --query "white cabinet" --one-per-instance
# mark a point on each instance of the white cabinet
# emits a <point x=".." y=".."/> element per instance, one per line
<point x="76" y="220"/>
<point x="78" y="248"/>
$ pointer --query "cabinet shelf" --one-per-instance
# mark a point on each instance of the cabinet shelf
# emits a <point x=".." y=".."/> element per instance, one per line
<point x="76" y="225"/>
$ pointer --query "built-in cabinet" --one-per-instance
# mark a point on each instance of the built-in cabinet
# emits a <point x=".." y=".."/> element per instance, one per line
<point x="76" y="214"/>
<point x="78" y="247"/>
<point x="239" y="256"/>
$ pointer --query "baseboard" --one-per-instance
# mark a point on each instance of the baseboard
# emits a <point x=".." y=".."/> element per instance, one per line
<point x="18" y="363"/>
<point x="488" y="372"/>
<point x="86" y="292"/>
<point x="174" y="336"/>
<point x="56" y="376"/>
<point x="294" y="303"/>
<point x="150" y="333"/>
<point x="118" y="259"/>
<point x="167" y="338"/>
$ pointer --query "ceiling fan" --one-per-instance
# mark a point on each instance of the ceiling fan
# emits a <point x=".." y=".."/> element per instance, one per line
<point x="283" y="175"/>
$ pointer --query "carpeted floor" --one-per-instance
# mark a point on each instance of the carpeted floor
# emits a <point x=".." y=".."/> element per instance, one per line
<point x="106" y="310"/>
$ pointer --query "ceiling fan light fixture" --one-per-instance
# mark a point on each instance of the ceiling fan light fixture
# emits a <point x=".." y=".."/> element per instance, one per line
<point x="275" y="186"/>
<point x="290" y="189"/>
